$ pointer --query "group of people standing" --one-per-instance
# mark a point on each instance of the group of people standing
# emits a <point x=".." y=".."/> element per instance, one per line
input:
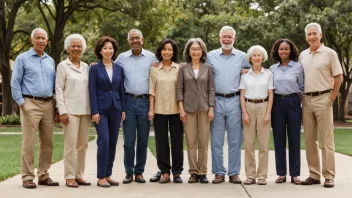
<point x="208" y="95"/>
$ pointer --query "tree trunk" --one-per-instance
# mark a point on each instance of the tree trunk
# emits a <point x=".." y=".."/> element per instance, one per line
<point x="6" y="89"/>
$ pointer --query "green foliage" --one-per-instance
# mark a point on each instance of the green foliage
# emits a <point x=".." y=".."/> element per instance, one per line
<point x="10" y="119"/>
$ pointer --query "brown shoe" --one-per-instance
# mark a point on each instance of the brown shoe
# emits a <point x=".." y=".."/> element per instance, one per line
<point x="310" y="181"/>
<point x="193" y="178"/>
<point x="139" y="178"/>
<point x="235" y="179"/>
<point x="165" y="178"/>
<point x="29" y="184"/>
<point x="48" y="182"/>
<point x="329" y="183"/>
<point x="218" y="179"/>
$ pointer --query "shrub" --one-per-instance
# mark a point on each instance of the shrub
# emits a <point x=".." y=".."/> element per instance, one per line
<point x="10" y="119"/>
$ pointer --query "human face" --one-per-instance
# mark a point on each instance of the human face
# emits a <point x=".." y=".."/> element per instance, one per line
<point x="135" y="41"/>
<point x="167" y="52"/>
<point x="313" y="37"/>
<point x="257" y="58"/>
<point x="75" y="49"/>
<point x="39" y="41"/>
<point x="107" y="51"/>
<point x="284" y="51"/>
<point x="195" y="51"/>
<point x="227" y="39"/>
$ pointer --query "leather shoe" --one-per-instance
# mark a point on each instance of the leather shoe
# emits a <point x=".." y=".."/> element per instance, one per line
<point x="156" y="177"/>
<point x="310" y="181"/>
<point x="329" y="183"/>
<point x="139" y="178"/>
<point x="218" y="179"/>
<point x="82" y="182"/>
<point x="203" y="179"/>
<point x="29" y="184"/>
<point x="128" y="179"/>
<point x="235" y="179"/>
<point x="193" y="178"/>
<point x="48" y="182"/>
<point x="177" y="179"/>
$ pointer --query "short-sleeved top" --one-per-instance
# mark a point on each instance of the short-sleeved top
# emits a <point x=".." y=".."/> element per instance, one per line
<point x="319" y="67"/>
<point x="289" y="79"/>
<point x="257" y="85"/>
<point x="162" y="85"/>
<point x="227" y="69"/>
<point x="136" y="70"/>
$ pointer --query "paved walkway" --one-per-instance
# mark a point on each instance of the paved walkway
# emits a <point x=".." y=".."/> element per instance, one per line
<point x="11" y="188"/>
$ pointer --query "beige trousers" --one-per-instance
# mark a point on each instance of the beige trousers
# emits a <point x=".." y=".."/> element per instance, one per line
<point x="256" y="128"/>
<point x="318" y="119"/>
<point x="75" y="145"/>
<point x="37" y="115"/>
<point x="197" y="131"/>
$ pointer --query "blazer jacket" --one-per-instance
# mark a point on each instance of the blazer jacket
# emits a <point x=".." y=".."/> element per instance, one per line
<point x="71" y="87"/>
<point x="196" y="93"/>
<point x="102" y="92"/>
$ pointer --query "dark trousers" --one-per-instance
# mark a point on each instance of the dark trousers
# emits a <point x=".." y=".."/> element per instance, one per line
<point x="162" y="124"/>
<point x="108" y="131"/>
<point x="286" y="115"/>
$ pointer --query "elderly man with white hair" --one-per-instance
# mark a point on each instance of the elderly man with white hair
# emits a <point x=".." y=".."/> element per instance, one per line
<point x="322" y="81"/>
<point x="72" y="97"/>
<point x="227" y="63"/>
<point x="32" y="86"/>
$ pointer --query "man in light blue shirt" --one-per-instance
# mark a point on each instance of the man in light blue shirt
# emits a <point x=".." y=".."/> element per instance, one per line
<point x="227" y="63"/>
<point x="136" y="64"/>
<point x="32" y="86"/>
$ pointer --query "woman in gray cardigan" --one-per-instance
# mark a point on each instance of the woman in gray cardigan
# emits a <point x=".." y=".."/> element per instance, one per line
<point x="196" y="96"/>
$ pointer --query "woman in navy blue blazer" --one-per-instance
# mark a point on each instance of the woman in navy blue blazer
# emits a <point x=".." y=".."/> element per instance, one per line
<point x="106" y="94"/>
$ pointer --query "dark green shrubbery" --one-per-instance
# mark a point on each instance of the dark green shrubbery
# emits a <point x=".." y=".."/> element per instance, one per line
<point x="10" y="120"/>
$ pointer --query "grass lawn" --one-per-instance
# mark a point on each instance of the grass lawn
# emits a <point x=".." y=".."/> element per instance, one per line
<point x="10" y="152"/>
<point x="343" y="139"/>
<point x="92" y="130"/>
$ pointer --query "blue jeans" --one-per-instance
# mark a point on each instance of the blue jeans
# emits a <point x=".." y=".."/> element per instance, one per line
<point x="136" y="126"/>
<point x="227" y="116"/>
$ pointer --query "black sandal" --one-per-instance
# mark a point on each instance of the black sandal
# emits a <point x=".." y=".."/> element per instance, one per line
<point x="280" y="180"/>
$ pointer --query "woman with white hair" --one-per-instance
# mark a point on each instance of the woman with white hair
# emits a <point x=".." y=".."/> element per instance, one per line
<point x="72" y="97"/>
<point x="256" y="101"/>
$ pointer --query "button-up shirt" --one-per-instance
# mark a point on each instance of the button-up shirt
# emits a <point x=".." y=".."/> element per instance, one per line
<point x="257" y="85"/>
<point x="32" y="75"/>
<point x="289" y="79"/>
<point x="319" y="67"/>
<point x="71" y="88"/>
<point x="136" y="70"/>
<point x="227" y="69"/>
<point x="162" y="85"/>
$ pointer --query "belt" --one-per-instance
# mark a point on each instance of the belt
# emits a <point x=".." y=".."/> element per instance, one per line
<point x="285" y="95"/>
<point x="137" y="96"/>
<point x="45" y="98"/>
<point x="256" y="100"/>
<point x="317" y="93"/>
<point x="229" y="95"/>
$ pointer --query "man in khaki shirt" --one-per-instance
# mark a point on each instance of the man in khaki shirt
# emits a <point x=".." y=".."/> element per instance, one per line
<point x="322" y="81"/>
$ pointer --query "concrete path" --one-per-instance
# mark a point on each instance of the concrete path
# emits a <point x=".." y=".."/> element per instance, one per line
<point x="12" y="188"/>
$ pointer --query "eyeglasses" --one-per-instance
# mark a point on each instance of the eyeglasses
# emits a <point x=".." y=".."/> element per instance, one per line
<point x="134" y="38"/>
<point x="196" y="49"/>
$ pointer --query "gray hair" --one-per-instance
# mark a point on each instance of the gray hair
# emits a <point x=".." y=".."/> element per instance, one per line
<point x="259" y="48"/>
<point x="313" y="25"/>
<point x="202" y="45"/>
<point x="136" y="31"/>
<point x="39" y="30"/>
<point x="72" y="37"/>
<point x="227" y="28"/>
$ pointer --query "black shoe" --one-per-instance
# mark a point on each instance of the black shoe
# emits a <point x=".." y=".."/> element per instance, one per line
<point x="128" y="179"/>
<point x="139" y="178"/>
<point x="203" y="179"/>
<point x="177" y="179"/>
<point x="156" y="177"/>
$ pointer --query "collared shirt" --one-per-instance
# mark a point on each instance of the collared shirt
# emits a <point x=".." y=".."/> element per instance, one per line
<point x="257" y="85"/>
<point x="136" y="70"/>
<point x="32" y="75"/>
<point x="319" y="67"/>
<point x="289" y="79"/>
<point x="71" y="87"/>
<point x="162" y="85"/>
<point x="227" y="69"/>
